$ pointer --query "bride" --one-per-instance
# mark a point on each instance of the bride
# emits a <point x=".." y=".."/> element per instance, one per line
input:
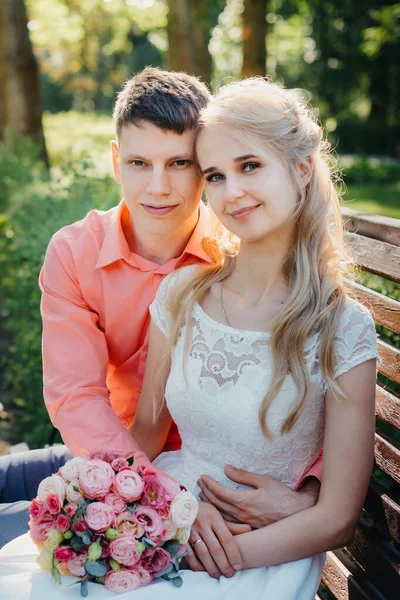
<point x="263" y="357"/>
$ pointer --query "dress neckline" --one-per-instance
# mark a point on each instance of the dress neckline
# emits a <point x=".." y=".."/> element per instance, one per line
<point x="228" y="328"/>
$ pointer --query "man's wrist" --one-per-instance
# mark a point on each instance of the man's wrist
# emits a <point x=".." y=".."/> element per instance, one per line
<point x="309" y="492"/>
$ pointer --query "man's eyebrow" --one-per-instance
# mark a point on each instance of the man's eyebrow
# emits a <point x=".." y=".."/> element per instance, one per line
<point x="237" y="159"/>
<point x="188" y="156"/>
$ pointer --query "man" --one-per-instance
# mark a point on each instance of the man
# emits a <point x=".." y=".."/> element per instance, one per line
<point x="101" y="274"/>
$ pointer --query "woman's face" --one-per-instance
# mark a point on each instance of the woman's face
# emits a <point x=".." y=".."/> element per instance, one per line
<point x="250" y="191"/>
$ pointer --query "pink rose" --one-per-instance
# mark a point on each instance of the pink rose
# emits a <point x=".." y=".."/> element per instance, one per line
<point x="70" y="509"/>
<point x="53" y="504"/>
<point x="123" y="550"/>
<point x="107" y="457"/>
<point x="128" y="523"/>
<point x="63" y="523"/>
<point x="145" y="577"/>
<point x="77" y="565"/>
<point x="159" y="489"/>
<point x="64" y="553"/>
<point x="122" y="581"/>
<point x="99" y="516"/>
<point x="128" y="484"/>
<point x="39" y="529"/>
<point x="184" y="509"/>
<point x="95" y="479"/>
<point x="36" y="510"/>
<point x="117" y="504"/>
<point x="151" y="521"/>
<point x="155" y="560"/>
<point x="79" y="526"/>
<point x="118" y="463"/>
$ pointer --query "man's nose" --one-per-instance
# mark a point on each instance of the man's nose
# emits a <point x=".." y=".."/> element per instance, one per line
<point x="159" y="183"/>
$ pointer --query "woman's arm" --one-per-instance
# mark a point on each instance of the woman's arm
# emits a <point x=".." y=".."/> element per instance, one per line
<point x="149" y="434"/>
<point x="347" y="464"/>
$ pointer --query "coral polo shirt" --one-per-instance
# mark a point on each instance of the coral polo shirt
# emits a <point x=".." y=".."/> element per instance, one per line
<point x="95" y="308"/>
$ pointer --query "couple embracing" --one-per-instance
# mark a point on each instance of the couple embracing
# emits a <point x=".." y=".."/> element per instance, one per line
<point x="219" y="341"/>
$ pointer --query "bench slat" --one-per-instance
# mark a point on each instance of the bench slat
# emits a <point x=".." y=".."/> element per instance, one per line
<point x="387" y="456"/>
<point x="384" y="510"/>
<point x="390" y="361"/>
<point x="387" y="407"/>
<point x="379" y="257"/>
<point x="385" y="311"/>
<point x="341" y="582"/>
<point x="378" y="227"/>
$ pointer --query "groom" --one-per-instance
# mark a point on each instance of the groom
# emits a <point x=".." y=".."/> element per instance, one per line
<point x="101" y="274"/>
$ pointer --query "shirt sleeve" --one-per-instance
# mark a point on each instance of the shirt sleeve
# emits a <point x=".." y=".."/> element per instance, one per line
<point x="314" y="471"/>
<point x="75" y="361"/>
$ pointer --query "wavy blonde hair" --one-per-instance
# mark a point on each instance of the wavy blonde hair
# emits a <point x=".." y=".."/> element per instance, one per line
<point x="314" y="268"/>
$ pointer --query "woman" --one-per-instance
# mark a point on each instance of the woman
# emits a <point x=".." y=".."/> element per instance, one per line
<point x="263" y="357"/>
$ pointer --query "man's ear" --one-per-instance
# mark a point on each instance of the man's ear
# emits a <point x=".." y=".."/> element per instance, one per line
<point x="305" y="170"/>
<point x="115" y="161"/>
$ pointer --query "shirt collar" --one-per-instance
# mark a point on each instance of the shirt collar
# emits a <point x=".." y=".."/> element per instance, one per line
<point x="115" y="246"/>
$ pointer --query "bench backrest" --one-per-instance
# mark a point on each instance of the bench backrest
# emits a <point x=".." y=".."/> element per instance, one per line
<point x="370" y="567"/>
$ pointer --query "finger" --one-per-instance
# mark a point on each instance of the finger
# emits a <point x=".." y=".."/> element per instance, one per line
<point x="229" y="518"/>
<point x="244" y="477"/>
<point x="229" y="546"/>
<point x="193" y="561"/>
<point x="237" y="528"/>
<point x="220" y="496"/>
<point x="206" y="558"/>
<point x="213" y="553"/>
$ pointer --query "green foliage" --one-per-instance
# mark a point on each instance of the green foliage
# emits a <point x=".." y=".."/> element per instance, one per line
<point x="38" y="205"/>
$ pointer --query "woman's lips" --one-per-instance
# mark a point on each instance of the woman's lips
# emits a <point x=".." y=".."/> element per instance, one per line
<point x="243" y="212"/>
<point x="158" y="210"/>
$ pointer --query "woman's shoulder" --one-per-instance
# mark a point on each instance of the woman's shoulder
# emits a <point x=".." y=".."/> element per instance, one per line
<point x="177" y="278"/>
<point x="355" y="314"/>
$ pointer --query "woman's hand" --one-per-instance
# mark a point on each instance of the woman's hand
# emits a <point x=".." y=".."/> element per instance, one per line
<point x="212" y="546"/>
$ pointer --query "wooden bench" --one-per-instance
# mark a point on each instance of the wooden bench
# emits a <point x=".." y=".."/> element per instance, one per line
<point x="369" y="569"/>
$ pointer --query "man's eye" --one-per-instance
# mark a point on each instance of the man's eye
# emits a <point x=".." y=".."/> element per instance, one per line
<point x="181" y="162"/>
<point x="214" y="178"/>
<point x="250" y="166"/>
<point x="137" y="163"/>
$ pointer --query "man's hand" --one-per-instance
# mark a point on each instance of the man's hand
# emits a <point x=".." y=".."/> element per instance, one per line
<point x="270" y="501"/>
<point x="212" y="546"/>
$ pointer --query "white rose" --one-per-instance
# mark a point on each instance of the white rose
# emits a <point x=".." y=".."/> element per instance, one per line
<point x="169" y="530"/>
<point x="183" y="510"/>
<point x="51" y="485"/>
<point x="72" y="495"/>
<point x="182" y="535"/>
<point x="70" y="471"/>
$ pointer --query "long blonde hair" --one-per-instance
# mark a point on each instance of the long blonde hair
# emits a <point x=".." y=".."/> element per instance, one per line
<point x="314" y="267"/>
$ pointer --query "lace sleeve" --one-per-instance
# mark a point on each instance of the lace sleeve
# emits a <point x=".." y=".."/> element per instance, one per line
<point x="159" y="309"/>
<point x="355" y="341"/>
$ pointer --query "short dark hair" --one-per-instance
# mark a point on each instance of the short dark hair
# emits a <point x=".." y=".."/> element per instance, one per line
<point x="169" y="100"/>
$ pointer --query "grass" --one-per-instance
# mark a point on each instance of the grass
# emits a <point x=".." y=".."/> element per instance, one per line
<point x="378" y="199"/>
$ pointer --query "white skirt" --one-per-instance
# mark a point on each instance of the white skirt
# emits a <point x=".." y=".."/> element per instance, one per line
<point x="22" y="579"/>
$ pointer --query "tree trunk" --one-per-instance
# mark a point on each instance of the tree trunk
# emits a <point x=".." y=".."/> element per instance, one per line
<point x="3" y="74"/>
<point x="254" y="37"/>
<point x="180" y="39"/>
<point x="23" y="109"/>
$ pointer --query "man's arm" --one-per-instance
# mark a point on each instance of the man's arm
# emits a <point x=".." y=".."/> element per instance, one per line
<point x="75" y="360"/>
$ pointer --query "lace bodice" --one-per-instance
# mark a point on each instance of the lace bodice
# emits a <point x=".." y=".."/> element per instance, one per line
<point x="214" y="393"/>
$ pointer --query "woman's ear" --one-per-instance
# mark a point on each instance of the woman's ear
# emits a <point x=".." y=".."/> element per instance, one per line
<point x="305" y="169"/>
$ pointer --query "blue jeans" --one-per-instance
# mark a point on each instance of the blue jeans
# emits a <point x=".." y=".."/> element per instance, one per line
<point x="20" y="475"/>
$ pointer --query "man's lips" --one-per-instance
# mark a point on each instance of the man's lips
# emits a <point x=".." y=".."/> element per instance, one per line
<point x="243" y="212"/>
<point x="159" y="210"/>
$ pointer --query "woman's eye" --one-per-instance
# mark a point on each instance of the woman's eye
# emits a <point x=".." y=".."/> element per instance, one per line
<point x="214" y="178"/>
<point x="247" y="167"/>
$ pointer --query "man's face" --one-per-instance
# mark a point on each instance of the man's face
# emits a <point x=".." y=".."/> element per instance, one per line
<point x="160" y="180"/>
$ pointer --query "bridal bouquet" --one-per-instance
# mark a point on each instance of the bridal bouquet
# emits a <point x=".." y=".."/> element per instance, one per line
<point x="102" y="520"/>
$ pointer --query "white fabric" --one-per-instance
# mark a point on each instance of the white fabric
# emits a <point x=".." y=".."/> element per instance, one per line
<point x="213" y="396"/>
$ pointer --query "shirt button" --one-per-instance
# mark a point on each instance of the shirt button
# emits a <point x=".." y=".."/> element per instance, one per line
<point x="125" y="423"/>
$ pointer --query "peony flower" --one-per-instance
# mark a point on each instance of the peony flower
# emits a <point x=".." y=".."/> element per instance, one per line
<point x="39" y="529"/>
<point x="95" y="479"/>
<point x="72" y="495"/>
<point x="53" y="504"/>
<point x="45" y="560"/>
<point x="182" y="535"/>
<point x="64" y="553"/>
<point x="128" y="523"/>
<point x="159" y="489"/>
<point x="122" y="581"/>
<point x="123" y="550"/>
<point x="155" y="560"/>
<point x="169" y="530"/>
<point x="151" y="521"/>
<point x="51" y="485"/>
<point x="128" y="484"/>
<point x="145" y="577"/>
<point x="99" y="516"/>
<point x="116" y="502"/>
<point x="63" y="523"/>
<point x="70" y="471"/>
<point x="184" y="509"/>
<point x="107" y="457"/>
<point x="70" y="509"/>
<point x="118" y="463"/>
<point x="36" y="510"/>
<point x="77" y="565"/>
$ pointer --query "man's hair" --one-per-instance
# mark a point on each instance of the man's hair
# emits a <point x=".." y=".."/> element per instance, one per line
<point x="169" y="100"/>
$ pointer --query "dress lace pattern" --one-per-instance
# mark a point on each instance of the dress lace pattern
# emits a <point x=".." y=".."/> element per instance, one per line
<point x="214" y="393"/>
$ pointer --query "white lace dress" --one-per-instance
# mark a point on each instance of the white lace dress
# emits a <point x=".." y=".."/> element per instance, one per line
<point x="216" y="409"/>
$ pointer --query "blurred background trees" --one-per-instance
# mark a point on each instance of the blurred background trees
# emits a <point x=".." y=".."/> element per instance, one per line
<point x="61" y="64"/>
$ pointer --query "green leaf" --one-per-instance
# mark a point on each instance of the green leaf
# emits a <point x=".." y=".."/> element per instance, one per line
<point x="84" y="588"/>
<point x="76" y="543"/>
<point x="96" y="569"/>
<point x="148" y="543"/>
<point x="177" y="581"/>
<point x="56" y="574"/>
<point x="172" y="547"/>
<point x="131" y="460"/>
<point x="166" y="571"/>
<point x="86" y="536"/>
<point x="132" y="507"/>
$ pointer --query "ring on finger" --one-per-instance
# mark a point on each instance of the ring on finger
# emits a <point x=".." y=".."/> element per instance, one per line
<point x="196" y="542"/>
